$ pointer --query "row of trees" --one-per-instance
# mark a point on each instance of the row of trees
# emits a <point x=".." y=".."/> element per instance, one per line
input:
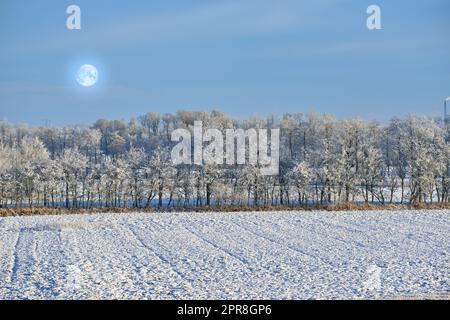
<point x="127" y="164"/>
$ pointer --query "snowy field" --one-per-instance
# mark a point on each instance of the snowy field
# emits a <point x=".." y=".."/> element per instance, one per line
<point x="295" y="255"/>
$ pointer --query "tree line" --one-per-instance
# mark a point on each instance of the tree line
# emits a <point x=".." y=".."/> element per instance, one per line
<point x="127" y="163"/>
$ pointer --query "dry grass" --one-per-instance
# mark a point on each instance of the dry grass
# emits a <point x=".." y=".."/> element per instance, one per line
<point x="332" y="207"/>
<point x="11" y="212"/>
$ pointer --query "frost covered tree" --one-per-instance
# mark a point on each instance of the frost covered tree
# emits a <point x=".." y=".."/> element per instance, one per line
<point x="73" y="165"/>
<point x="300" y="178"/>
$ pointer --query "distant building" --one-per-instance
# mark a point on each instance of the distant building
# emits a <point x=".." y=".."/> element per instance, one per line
<point x="446" y="115"/>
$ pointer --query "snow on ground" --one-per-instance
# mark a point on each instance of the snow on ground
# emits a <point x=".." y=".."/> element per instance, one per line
<point x="287" y="255"/>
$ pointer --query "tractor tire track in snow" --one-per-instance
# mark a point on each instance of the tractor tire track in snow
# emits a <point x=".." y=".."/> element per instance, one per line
<point x="15" y="258"/>
<point x="23" y="264"/>
<point x="283" y="244"/>
<point x="219" y="248"/>
<point x="165" y="261"/>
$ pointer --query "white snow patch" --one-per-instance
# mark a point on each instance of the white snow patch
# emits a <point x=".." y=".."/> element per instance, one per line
<point x="287" y="255"/>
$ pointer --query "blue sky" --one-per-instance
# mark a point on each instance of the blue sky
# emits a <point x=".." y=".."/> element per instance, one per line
<point x="242" y="57"/>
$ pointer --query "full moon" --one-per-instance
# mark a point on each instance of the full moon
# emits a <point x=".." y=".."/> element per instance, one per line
<point x="87" y="75"/>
